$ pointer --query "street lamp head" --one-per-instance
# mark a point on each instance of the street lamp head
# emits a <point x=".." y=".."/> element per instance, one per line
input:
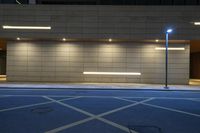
<point x="169" y="30"/>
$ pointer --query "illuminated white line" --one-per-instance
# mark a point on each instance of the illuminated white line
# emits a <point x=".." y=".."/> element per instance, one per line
<point x="27" y="27"/>
<point x="112" y="73"/>
<point x="196" y="23"/>
<point x="161" y="107"/>
<point x="163" y="48"/>
<point x="36" y="104"/>
<point x="18" y="2"/>
<point x="92" y="116"/>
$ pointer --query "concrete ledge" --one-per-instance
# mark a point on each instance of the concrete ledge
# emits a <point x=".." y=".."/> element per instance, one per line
<point x="99" y="86"/>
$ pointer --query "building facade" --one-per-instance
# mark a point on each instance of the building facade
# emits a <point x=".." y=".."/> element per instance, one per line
<point x="101" y="43"/>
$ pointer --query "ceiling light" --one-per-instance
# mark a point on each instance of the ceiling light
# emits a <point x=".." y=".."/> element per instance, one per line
<point x="112" y="73"/>
<point x="110" y="40"/>
<point x="157" y="40"/>
<point x="174" y="48"/>
<point x="18" y="2"/>
<point x="27" y="27"/>
<point x="18" y="38"/>
<point x="64" y="39"/>
<point x="196" y="23"/>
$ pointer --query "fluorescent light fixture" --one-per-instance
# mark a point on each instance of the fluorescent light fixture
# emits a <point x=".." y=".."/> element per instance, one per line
<point x="169" y="30"/>
<point x="27" y="27"/>
<point x="18" y="38"/>
<point x="174" y="48"/>
<point x="112" y="73"/>
<point x="18" y="2"/>
<point x="196" y="23"/>
<point x="110" y="40"/>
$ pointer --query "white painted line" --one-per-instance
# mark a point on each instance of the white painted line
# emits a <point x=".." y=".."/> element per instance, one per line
<point x="24" y="106"/>
<point x="101" y="96"/>
<point x="116" y="125"/>
<point x="165" y="108"/>
<point x="92" y="116"/>
<point x="194" y="99"/>
<point x="170" y="109"/>
<point x="124" y="107"/>
<point x="4" y="96"/>
<point x="70" y="125"/>
<point x="32" y="105"/>
<point x="69" y="106"/>
<point x="79" y="89"/>
<point x="121" y="98"/>
<point x="66" y="99"/>
<point x="42" y="95"/>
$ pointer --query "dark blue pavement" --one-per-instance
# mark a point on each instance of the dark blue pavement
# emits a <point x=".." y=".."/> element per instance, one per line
<point x="99" y="111"/>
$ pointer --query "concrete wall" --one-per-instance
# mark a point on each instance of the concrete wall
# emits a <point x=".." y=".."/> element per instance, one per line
<point x="57" y="61"/>
<point x="66" y="62"/>
<point x="121" y="22"/>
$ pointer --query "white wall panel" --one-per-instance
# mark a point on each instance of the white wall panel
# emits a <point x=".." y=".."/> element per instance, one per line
<point x="66" y="62"/>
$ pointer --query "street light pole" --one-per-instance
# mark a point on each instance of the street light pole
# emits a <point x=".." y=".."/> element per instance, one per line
<point x="166" y="57"/>
<point x="166" y="60"/>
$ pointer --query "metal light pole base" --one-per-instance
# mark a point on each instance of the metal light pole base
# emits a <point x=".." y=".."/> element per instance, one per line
<point x="166" y="87"/>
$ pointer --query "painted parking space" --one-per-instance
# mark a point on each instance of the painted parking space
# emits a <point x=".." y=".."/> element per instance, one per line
<point x="9" y="102"/>
<point x="93" y="126"/>
<point x="183" y="105"/>
<point x="97" y="105"/>
<point x="168" y="121"/>
<point x="108" y="111"/>
<point x="37" y="119"/>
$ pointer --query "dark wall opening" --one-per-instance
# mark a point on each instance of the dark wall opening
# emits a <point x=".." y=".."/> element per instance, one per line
<point x="195" y="65"/>
<point x="195" y="60"/>
<point x="2" y="57"/>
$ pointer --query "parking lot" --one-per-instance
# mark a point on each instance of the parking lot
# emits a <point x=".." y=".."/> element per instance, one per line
<point x="98" y="111"/>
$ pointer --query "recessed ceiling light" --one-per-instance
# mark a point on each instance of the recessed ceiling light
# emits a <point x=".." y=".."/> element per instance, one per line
<point x="110" y="40"/>
<point x="64" y="39"/>
<point x="18" y="38"/>
<point x="196" y="23"/>
<point x="27" y="27"/>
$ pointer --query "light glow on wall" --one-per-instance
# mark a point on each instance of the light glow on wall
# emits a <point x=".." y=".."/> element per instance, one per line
<point x="27" y="27"/>
<point x="174" y="48"/>
<point x="112" y="73"/>
<point x="196" y="23"/>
